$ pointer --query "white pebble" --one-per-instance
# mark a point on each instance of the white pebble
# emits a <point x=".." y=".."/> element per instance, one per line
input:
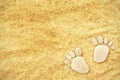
<point x="110" y="43"/>
<point x="72" y="54"/>
<point x="80" y="65"/>
<point x="94" y="41"/>
<point x="78" y="52"/>
<point x="68" y="56"/>
<point x="100" y="54"/>
<point x="66" y="61"/>
<point x="100" y="39"/>
<point x="106" y="40"/>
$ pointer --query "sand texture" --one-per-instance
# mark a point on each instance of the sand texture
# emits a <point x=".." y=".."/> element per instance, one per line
<point x="36" y="35"/>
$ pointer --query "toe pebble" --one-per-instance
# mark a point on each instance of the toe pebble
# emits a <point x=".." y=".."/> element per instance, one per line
<point x="79" y="65"/>
<point x="68" y="57"/>
<point x="72" y="54"/>
<point x="94" y="41"/>
<point x="100" y="39"/>
<point x="78" y="52"/>
<point x="106" y="40"/>
<point x="110" y="43"/>
<point x="66" y="61"/>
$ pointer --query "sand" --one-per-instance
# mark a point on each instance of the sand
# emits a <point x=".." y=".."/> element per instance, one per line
<point x="36" y="35"/>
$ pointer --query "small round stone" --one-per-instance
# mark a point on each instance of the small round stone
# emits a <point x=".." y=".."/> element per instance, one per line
<point x="110" y="43"/>
<point x="100" y="39"/>
<point x="78" y="52"/>
<point x="68" y="56"/>
<point x="94" y="41"/>
<point x="72" y="54"/>
<point x="106" y="40"/>
<point x="66" y="61"/>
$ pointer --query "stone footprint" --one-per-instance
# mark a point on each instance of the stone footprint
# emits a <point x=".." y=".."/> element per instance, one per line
<point x="102" y="48"/>
<point x="77" y="62"/>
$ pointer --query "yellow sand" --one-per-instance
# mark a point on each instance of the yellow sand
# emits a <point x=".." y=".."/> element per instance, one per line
<point x="36" y="35"/>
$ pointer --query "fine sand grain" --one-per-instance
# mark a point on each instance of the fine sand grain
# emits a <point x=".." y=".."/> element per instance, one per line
<point x="36" y="35"/>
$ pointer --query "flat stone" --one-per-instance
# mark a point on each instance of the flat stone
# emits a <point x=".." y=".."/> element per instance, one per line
<point x="94" y="41"/>
<point x="72" y="54"/>
<point x="78" y="52"/>
<point x="68" y="57"/>
<point x="101" y="53"/>
<point x="79" y="65"/>
<point x="100" y="39"/>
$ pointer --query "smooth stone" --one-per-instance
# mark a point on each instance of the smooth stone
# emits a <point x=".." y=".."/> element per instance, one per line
<point x="101" y="53"/>
<point x="79" y="65"/>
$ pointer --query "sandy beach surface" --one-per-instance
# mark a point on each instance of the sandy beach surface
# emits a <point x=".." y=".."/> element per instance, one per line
<point x="36" y="35"/>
